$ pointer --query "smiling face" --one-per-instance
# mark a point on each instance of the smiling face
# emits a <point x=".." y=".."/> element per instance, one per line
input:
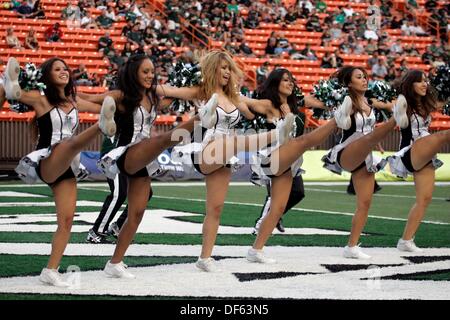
<point x="146" y="74"/>
<point x="358" y="81"/>
<point x="59" y="74"/>
<point x="286" y="85"/>
<point x="420" y="87"/>
<point x="224" y="73"/>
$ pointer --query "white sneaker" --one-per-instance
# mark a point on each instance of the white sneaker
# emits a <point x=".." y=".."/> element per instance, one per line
<point x="400" y="116"/>
<point x="207" y="113"/>
<point x="285" y="128"/>
<point x="343" y="112"/>
<point x="355" y="253"/>
<point x="207" y="264"/>
<point x="52" y="277"/>
<point x="118" y="270"/>
<point x="258" y="256"/>
<point x="106" y="122"/>
<point x="11" y="83"/>
<point x="408" y="246"/>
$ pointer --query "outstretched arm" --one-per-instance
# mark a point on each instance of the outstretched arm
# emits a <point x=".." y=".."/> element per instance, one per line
<point x="313" y="102"/>
<point x="98" y="98"/>
<point x="263" y="106"/>
<point x="184" y="93"/>
<point x="87" y="106"/>
<point x="245" y="111"/>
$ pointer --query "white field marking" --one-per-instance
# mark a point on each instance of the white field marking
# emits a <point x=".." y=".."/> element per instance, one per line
<point x="20" y="194"/>
<point x="202" y="183"/>
<point x="96" y="203"/>
<point x="306" y="189"/>
<point x="154" y="221"/>
<point x="185" y="279"/>
<point x="49" y="204"/>
<point x="375" y="195"/>
<point x="302" y="209"/>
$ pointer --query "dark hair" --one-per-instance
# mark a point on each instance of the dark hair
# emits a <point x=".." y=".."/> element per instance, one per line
<point x="129" y="84"/>
<point x="269" y="89"/>
<point x="51" y="93"/>
<point x="344" y="77"/>
<point x="417" y="104"/>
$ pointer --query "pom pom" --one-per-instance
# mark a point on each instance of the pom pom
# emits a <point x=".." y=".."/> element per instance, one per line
<point x="441" y="82"/>
<point x="184" y="75"/>
<point x="29" y="79"/>
<point x="332" y="94"/>
<point x="384" y="92"/>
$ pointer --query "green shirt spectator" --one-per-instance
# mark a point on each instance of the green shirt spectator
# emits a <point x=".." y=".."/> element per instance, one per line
<point x="321" y="6"/>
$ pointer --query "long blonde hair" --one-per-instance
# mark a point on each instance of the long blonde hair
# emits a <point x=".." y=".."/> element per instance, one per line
<point x="210" y="65"/>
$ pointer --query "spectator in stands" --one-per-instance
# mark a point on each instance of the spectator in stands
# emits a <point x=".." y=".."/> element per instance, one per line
<point x="88" y="22"/>
<point x="427" y="56"/>
<point x="304" y="3"/>
<point x="309" y="53"/>
<point x="373" y="59"/>
<point x="379" y="70"/>
<point x="403" y="66"/>
<point x="371" y="47"/>
<point x="11" y="39"/>
<point x="103" y="21"/>
<point x="396" y="48"/>
<point x="282" y="44"/>
<point x="127" y="51"/>
<point x="253" y="17"/>
<point x="411" y="50"/>
<point x="321" y="6"/>
<point x="430" y="5"/>
<point x="327" y="62"/>
<point x="261" y="72"/>
<point x="349" y="25"/>
<point x="71" y="12"/>
<point x="31" y="41"/>
<point x="176" y="37"/>
<point x="395" y="24"/>
<point x="326" y="37"/>
<point x="313" y="24"/>
<point x="111" y="14"/>
<point x="295" y="53"/>
<point x="135" y="36"/>
<point x="127" y="28"/>
<point x="392" y="74"/>
<point x="335" y="31"/>
<point x="291" y="15"/>
<point x="81" y="76"/>
<point x="38" y="11"/>
<point x="385" y="8"/>
<point x="245" y="49"/>
<point x="24" y="10"/>
<point x="105" y="43"/>
<point x="271" y="46"/>
<point x="53" y="33"/>
<point x="348" y="10"/>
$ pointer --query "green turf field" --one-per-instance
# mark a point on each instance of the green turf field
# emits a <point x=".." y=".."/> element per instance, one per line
<point x="325" y="207"/>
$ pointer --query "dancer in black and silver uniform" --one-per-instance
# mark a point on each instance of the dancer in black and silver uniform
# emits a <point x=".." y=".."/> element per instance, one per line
<point x="280" y="164"/>
<point x="137" y="100"/>
<point x="354" y="152"/>
<point x="56" y="159"/>
<point x="418" y="149"/>
<point x="141" y="123"/>
<point x="214" y="149"/>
